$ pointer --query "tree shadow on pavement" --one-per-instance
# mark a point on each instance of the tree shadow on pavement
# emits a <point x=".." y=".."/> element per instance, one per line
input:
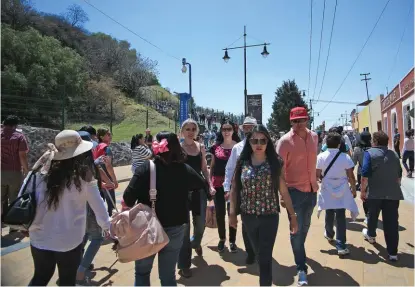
<point x="281" y="275"/>
<point x="204" y="274"/>
<point x="369" y="256"/>
<point x="326" y="276"/>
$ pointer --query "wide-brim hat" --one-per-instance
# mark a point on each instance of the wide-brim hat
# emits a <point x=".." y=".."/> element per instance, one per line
<point x="70" y="144"/>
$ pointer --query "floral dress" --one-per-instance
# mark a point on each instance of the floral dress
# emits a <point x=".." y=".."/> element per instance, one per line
<point x="257" y="196"/>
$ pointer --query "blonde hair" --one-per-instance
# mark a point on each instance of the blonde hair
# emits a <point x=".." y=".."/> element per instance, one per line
<point x="190" y="122"/>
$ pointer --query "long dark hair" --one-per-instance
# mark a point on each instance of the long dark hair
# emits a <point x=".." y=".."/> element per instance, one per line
<point x="175" y="153"/>
<point x="273" y="159"/>
<point x="135" y="140"/>
<point x="219" y="136"/>
<point x="64" y="173"/>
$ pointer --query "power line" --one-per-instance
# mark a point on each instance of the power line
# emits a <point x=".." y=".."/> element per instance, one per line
<point x="328" y="52"/>
<point x="358" y="55"/>
<point x="400" y="42"/>
<point x="319" y="51"/>
<point x="311" y="34"/>
<point x="234" y="41"/>
<point x="131" y="31"/>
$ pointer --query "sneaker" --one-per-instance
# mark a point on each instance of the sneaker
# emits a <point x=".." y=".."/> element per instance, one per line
<point x="409" y="174"/>
<point x="199" y="251"/>
<point x="365" y="221"/>
<point x="233" y="247"/>
<point x="327" y="237"/>
<point x="186" y="272"/>
<point x="371" y="240"/>
<point x="221" y="246"/>
<point x="85" y="282"/>
<point x="393" y="258"/>
<point x="302" y="278"/>
<point x="250" y="259"/>
<point x="343" y="251"/>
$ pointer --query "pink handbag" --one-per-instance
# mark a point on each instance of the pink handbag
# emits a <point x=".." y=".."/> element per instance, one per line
<point x="138" y="231"/>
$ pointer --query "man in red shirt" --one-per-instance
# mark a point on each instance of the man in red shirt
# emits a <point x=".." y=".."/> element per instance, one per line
<point x="298" y="149"/>
<point x="14" y="165"/>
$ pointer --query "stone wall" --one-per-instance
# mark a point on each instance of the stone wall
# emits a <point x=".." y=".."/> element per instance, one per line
<point x="38" y="138"/>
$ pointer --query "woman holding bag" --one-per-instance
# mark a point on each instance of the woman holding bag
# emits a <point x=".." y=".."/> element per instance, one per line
<point x="171" y="203"/>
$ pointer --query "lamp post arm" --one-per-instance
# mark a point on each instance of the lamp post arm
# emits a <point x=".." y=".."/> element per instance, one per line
<point x="247" y="46"/>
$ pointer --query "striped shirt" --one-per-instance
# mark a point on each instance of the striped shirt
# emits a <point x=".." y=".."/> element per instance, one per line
<point x="12" y="142"/>
<point x="139" y="155"/>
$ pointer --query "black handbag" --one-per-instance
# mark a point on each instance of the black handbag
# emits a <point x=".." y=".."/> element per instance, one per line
<point x="22" y="211"/>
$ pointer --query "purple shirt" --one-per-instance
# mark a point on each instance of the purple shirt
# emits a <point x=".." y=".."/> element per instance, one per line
<point x="12" y="142"/>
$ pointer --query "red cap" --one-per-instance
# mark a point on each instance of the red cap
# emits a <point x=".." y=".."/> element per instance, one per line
<point x="298" y="113"/>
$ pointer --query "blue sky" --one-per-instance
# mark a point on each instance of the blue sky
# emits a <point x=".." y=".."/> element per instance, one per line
<point x="198" y="30"/>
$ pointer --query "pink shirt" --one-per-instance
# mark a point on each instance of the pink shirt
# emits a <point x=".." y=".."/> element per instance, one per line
<point x="300" y="158"/>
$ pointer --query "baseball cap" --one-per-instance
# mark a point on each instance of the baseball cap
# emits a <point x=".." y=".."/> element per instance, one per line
<point x="298" y="113"/>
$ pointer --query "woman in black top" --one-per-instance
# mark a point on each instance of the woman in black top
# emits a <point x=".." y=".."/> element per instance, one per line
<point x="171" y="205"/>
<point x="196" y="158"/>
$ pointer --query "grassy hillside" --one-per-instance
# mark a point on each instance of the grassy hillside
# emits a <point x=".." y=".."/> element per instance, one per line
<point x="134" y="122"/>
<point x="158" y="93"/>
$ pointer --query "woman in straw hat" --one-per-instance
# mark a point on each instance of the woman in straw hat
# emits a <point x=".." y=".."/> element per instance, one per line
<point x="65" y="182"/>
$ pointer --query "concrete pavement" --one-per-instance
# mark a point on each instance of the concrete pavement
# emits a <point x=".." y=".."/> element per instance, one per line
<point x="366" y="265"/>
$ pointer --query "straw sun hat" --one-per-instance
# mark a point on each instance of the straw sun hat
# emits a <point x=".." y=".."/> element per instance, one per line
<point x="69" y="144"/>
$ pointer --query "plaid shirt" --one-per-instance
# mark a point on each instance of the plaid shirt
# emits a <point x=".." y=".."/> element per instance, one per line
<point x="12" y="142"/>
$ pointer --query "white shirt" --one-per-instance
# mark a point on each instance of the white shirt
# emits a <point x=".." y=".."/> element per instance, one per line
<point x="348" y="142"/>
<point x="335" y="192"/>
<point x="231" y="165"/>
<point x="408" y="144"/>
<point x="63" y="229"/>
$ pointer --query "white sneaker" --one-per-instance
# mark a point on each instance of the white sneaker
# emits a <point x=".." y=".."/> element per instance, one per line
<point x="365" y="221"/>
<point x="343" y="251"/>
<point x="327" y="237"/>
<point x="302" y="278"/>
<point x="393" y="258"/>
<point x="371" y="240"/>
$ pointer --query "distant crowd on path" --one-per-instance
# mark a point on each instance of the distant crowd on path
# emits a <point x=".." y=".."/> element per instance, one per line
<point x="252" y="178"/>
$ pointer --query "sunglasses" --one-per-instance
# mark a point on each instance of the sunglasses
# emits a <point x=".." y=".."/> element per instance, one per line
<point x="258" y="141"/>
<point x="299" y="121"/>
<point x="190" y="129"/>
<point x="227" y="129"/>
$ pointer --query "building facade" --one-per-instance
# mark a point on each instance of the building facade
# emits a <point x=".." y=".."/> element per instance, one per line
<point x="369" y="118"/>
<point x="396" y="107"/>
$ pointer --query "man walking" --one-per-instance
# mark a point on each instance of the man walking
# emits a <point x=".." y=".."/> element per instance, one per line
<point x="247" y="127"/>
<point x="14" y="150"/>
<point x="298" y="149"/>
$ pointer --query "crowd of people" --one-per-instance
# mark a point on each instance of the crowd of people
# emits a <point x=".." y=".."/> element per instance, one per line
<point x="251" y="178"/>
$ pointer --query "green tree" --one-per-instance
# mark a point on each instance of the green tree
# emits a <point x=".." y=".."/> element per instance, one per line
<point x="287" y="97"/>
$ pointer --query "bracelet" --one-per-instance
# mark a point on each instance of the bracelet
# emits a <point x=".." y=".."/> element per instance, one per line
<point x="293" y="215"/>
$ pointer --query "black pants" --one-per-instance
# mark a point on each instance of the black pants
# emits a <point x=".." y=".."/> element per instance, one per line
<point x="397" y="150"/>
<point x="390" y="216"/>
<point x="109" y="203"/>
<point x="262" y="231"/>
<point x="45" y="262"/>
<point x="221" y="206"/>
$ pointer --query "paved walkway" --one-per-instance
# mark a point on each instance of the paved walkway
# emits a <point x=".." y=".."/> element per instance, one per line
<point x="367" y="264"/>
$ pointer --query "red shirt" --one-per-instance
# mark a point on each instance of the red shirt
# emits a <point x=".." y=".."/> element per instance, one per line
<point x="221" y="159"/>
<point x="12" y="142"/>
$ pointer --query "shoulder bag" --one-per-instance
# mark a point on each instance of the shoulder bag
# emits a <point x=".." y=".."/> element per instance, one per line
<point x="138" y="230"/>
<point x="330" y="164"/>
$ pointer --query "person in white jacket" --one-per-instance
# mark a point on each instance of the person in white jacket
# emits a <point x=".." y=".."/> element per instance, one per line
<point x="247" y="127"/>
<point x="65" y="182"/>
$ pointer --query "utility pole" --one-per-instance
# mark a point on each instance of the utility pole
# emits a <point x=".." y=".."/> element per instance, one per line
<point x="312" y="111"/>
<point x="366" y="79"/>
<point x="245" y="90"/>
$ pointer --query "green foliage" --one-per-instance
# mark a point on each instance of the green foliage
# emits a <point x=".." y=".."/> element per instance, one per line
<point x="287" y="97"/>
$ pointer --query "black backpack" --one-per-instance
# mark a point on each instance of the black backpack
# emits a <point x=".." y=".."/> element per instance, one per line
<point x="22" y="211"/>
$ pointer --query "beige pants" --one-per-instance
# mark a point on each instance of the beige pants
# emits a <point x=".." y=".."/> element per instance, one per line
<point x="11" y="182"/>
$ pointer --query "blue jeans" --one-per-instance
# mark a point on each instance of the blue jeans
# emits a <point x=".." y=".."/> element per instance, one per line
<point x="262" y="231"/>
<point x="199" y="222"/>
<point x="167" y="260"/>
<point x="340" y="226"/>
<point x="303" y="203"/>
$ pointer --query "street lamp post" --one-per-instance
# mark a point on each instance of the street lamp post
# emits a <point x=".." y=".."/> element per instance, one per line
<point x="226" y="58"/>
<point x="184" y="70"/>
